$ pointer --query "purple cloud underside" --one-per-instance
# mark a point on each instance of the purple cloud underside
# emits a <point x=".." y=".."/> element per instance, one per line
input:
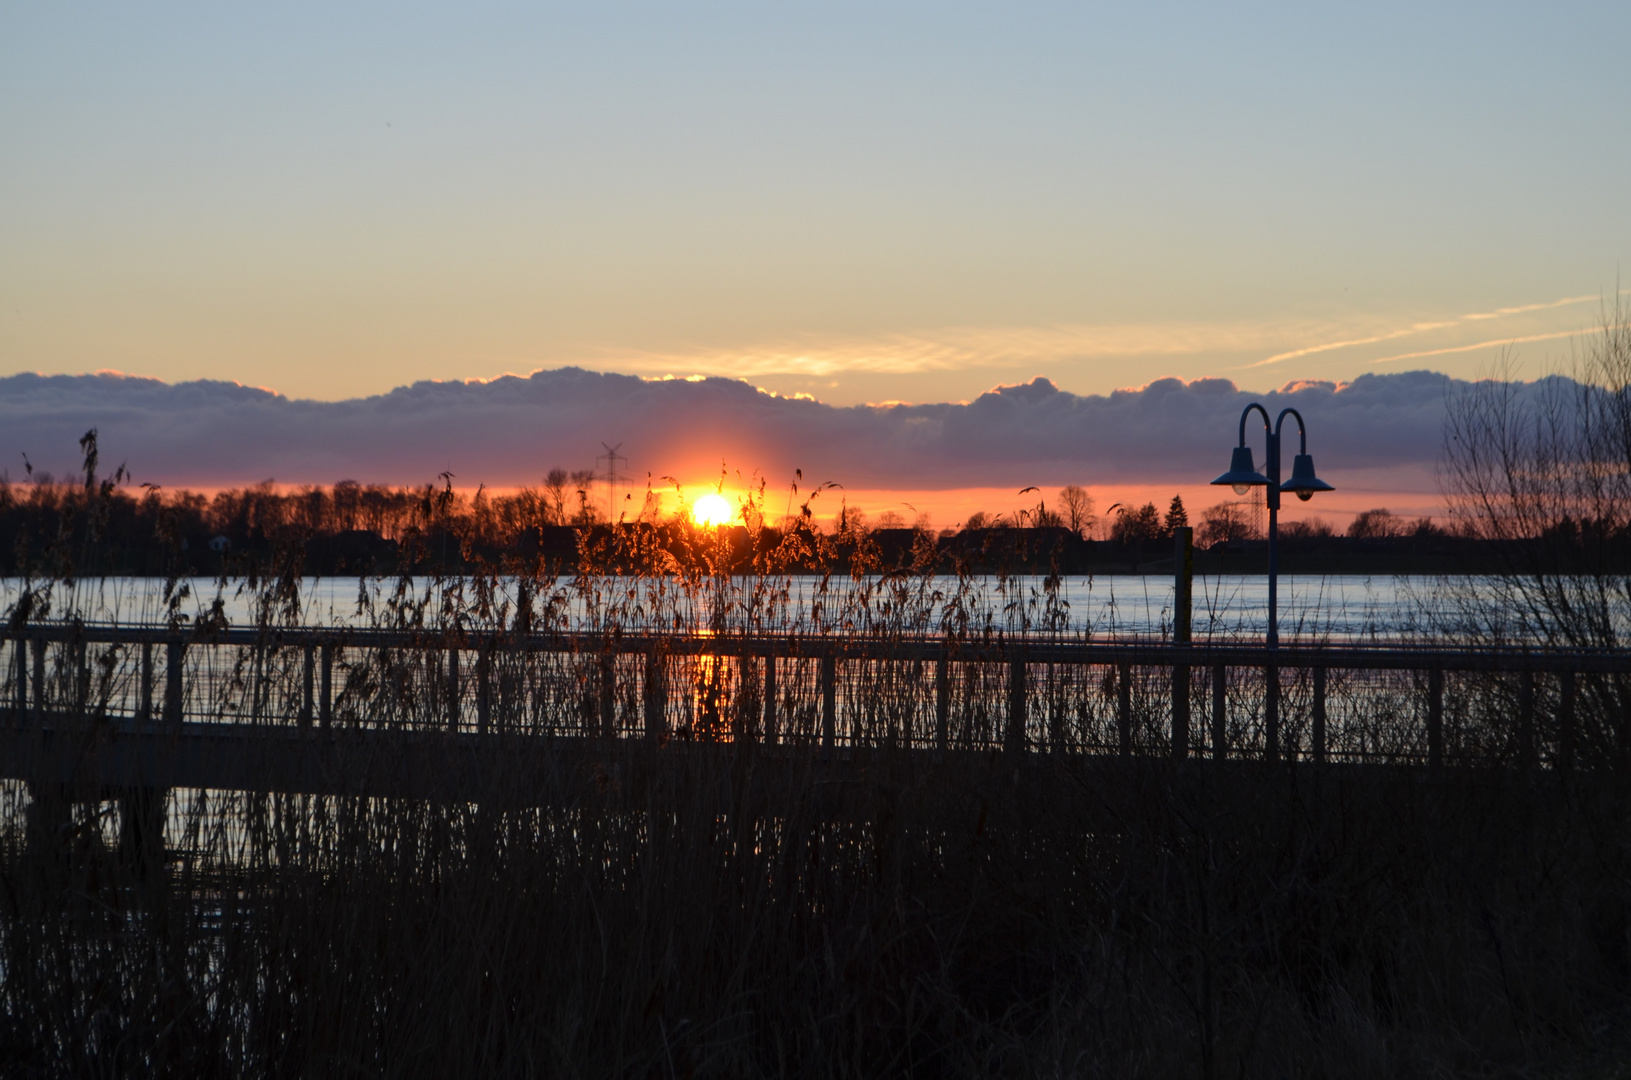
<point x="510" y="430"/>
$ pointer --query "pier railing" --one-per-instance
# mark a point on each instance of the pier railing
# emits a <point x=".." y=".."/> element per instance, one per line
<point x="1013" y="695"/>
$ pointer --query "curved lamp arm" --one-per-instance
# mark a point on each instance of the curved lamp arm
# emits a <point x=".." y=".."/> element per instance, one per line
<point x="1266" y="422"/>
<point x="1302" y="432"/>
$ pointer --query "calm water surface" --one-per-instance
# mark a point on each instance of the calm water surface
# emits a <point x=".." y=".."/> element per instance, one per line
<point x="1338" y="607"/>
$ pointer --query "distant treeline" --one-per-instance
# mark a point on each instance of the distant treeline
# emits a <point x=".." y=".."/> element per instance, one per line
<point x="102" y="526"/>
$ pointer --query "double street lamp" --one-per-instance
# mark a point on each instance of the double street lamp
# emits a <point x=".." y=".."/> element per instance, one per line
<point x="1243" y="476"/>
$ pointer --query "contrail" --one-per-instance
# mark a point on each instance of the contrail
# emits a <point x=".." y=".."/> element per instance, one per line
<point x="1479" y="345"/>
<point x="1422" y="328"/>
<point x="1419" y="328"/>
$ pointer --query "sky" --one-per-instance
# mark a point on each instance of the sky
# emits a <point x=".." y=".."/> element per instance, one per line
<point x="863" y="203"/>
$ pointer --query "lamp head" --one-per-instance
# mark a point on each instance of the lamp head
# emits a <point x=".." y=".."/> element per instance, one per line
<point x="1303" y="482"/>
<point x="1242" y="474"/>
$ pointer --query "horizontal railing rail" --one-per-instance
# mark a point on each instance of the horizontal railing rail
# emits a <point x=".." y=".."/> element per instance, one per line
<point x="985" y="648"/>
<point x="1012" y="693"/>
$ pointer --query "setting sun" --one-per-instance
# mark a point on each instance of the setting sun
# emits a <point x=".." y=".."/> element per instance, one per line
<point x="712" y="509"/>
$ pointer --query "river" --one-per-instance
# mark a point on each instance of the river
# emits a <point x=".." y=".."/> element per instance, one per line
<point x="1329" y="607"/>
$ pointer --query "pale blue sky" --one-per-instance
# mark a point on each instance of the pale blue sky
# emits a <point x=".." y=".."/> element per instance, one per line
<point x="860" y="201"/>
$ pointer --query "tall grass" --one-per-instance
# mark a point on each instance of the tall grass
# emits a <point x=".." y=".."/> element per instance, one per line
<point x="740" y="902"/>
<point x="1077" y="919"/>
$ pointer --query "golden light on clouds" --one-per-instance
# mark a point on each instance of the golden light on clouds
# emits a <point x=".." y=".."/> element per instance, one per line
<point x="1345" y="340"/>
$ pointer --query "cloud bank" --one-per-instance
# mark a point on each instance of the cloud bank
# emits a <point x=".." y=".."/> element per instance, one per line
<point x="509" y="431"/>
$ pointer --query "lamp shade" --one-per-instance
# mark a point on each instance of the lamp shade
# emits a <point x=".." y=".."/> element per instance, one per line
<point x="1242" y="473"/>
<point x="1303" y="482"/>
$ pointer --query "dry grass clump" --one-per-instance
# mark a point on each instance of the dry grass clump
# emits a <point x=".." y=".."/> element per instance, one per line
<point x="737" y="915"/>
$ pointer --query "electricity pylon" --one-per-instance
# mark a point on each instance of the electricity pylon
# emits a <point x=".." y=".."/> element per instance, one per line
<point x="612" y="478"/>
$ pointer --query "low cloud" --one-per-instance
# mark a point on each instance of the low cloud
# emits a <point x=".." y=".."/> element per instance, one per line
<point x="509" y="431"/>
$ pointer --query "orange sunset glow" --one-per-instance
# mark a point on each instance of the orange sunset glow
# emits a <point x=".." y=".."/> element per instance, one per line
<point x="713" y="509"/>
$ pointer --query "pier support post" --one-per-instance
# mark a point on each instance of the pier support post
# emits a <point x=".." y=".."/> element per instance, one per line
<point x="1013" y="743"/>
<point x="48" y="828"/>
<point x="141" y="830"/>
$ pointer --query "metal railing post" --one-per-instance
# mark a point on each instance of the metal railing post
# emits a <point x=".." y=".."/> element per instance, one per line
<point x="19" y="663"/>
<point x="942" y="701"/>
<point x="1124" y="709"/>
<point x="1435" y="719"/>
<point x="608" y="695"/>
<point x="750" y="707"/>
<point x="1271" y="713"/>
<point x="259" y="685"/>
<point x="39" y="679"/>
<point x="769" y="703"/>
<point x="1565" y="721"/>
<point x="484" y="688"/>
<point x="144" y="700"/>
<point x="174" y="650"/>
<point x="1319" y="716"/>
<point x="1180" y="712"/>
<point x="308" y="680"/>
<point x="325" y="703"/>
<point x="829" y="699"/>
<point x="1056" y="715"/>
<point x="1183" y="586"/>
<point x="1013" y="743"/>
<point x="1622" y="728"/>
<point x="82" y="676"/>
<point x="1220" y="712"/>
<point x="1526" y="719"/>
<point x="656" y="693"/>
<point x="453" y="689"/>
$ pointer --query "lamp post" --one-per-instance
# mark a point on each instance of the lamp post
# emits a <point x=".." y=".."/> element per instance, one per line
<point x="1243" y="476"/>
